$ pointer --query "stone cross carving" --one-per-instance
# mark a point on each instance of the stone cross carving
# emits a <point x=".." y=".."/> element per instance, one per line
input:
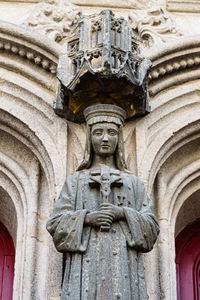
<point x="105" y="180"/>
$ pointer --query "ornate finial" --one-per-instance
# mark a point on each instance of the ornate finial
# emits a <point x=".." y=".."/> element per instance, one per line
<point x="103" y="65"/>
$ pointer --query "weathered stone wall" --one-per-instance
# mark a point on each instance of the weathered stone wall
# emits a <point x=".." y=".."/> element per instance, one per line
<point x="37" y="148"/>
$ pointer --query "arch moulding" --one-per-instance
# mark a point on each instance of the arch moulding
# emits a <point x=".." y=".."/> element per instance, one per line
<point x="33" y="149"/>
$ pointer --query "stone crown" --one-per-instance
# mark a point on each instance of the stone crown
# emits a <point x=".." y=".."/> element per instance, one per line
<point x="104" y="113"/>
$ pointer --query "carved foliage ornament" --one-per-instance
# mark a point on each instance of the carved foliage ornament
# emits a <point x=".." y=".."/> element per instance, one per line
<point x="153" y="26"/>
<point x="103" y="65"/>
<point x="58" y="19"/>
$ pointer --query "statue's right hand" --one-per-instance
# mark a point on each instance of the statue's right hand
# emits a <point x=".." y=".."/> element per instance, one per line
<point x="99" y="218"/>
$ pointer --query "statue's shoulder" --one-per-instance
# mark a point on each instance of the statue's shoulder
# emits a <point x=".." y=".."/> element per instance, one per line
<point x="78" y="175"/>
<point x="72" y="178"/>
<point x="130" y="176"/>
<point x="127" y="174"/>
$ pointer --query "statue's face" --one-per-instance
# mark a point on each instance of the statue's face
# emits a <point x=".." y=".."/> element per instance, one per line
<point x="104" y="138"/>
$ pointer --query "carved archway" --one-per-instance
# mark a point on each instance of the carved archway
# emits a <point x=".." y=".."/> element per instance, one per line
<point x="162" y="141"/>
<point x="32" y="155"/>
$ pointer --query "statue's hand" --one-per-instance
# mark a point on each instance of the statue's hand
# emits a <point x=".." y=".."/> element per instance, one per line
<point x="99" y="218"/>
<point x="117" y="211"/>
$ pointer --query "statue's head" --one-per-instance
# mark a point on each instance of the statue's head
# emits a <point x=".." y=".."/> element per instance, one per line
<point x="104" y="134"/>
<point x="104" y="138"/>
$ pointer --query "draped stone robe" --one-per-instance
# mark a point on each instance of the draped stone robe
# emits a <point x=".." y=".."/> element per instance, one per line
<point x="103" y="265"/>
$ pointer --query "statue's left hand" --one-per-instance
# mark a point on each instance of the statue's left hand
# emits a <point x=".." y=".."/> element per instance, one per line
<point x="117" y="211"/>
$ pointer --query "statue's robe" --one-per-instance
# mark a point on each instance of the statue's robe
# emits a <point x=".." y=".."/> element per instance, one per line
<point x="103" y="265"/>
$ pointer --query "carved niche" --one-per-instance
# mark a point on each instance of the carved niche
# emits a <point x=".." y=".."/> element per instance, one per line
<point x="103" y="65"/>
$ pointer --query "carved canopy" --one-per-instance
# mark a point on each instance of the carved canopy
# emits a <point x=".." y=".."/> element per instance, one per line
<point x="102" y="65"/>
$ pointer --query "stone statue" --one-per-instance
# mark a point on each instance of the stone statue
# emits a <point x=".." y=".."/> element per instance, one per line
<point x="103" y="220"/>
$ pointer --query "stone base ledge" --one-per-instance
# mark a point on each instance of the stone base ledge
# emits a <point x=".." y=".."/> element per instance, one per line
<point x="184" y="5"/>
<point x="21" y="1"/>
<point x="130" y="4"/>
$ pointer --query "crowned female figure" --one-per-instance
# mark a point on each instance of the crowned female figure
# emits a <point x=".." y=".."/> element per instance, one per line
<point x="103" y="220"/>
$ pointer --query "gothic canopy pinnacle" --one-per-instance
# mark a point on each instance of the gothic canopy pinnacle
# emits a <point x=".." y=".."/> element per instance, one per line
<point x="103" y="64"/>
